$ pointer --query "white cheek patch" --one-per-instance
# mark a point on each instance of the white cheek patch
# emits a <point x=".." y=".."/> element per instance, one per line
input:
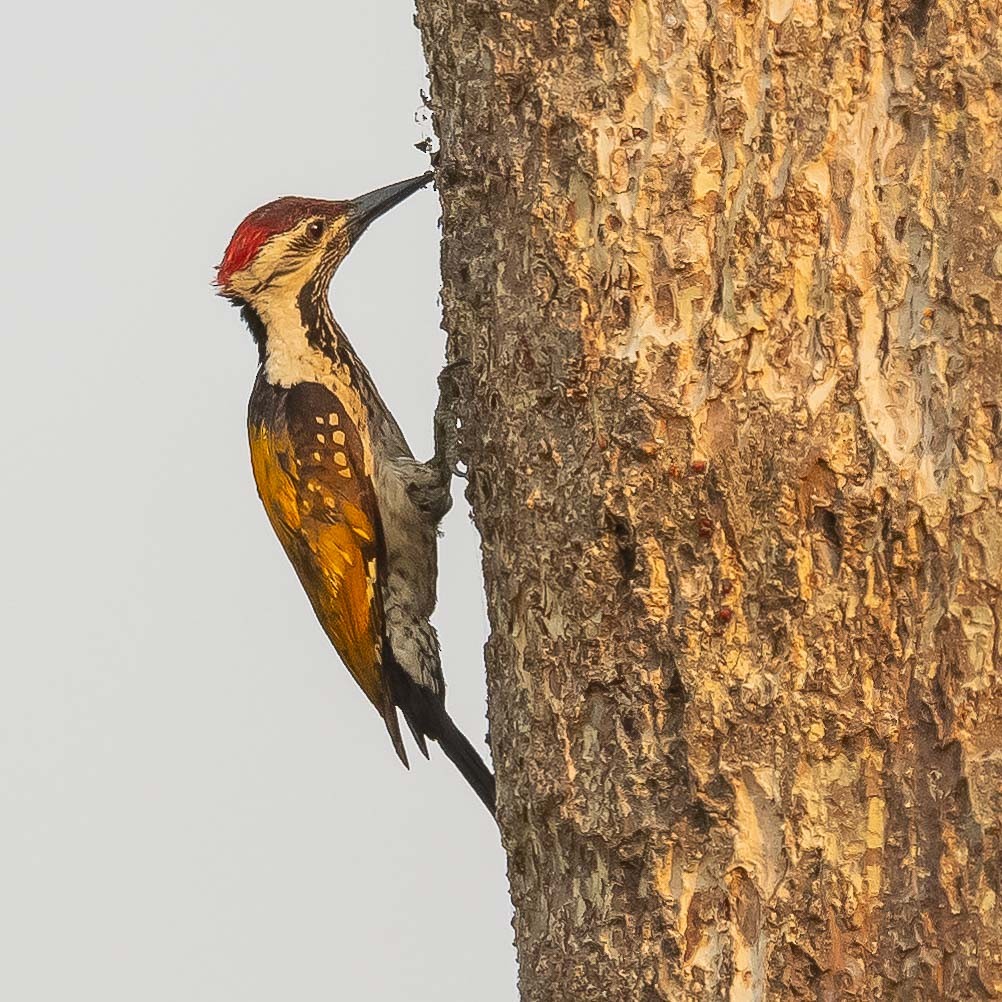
<point x="265" y="273"/>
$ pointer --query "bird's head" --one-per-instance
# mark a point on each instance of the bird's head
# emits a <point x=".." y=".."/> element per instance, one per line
<point x="293" y="242"/>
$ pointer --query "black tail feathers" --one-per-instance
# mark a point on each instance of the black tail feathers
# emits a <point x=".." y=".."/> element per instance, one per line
<point x="426" y="716"/>
<point x="464" y="757"/>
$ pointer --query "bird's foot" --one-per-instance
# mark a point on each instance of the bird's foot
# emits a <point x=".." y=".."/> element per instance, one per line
<point x="447" y="427"/>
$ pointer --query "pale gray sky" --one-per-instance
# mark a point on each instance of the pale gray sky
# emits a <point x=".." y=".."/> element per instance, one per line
<point x="196" y="802"/>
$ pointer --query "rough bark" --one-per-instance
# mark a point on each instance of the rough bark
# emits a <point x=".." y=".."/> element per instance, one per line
<point x="723" y="280"/>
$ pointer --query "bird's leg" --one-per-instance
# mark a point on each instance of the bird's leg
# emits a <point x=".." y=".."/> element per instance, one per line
<point x="446" y="457"/>
<point x="429" y="484"/>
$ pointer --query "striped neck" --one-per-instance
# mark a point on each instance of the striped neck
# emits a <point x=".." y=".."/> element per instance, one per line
<point x="298" y="339"/>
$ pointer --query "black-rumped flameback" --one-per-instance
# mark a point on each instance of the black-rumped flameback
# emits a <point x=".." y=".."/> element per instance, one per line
<point x="356" y="514"/>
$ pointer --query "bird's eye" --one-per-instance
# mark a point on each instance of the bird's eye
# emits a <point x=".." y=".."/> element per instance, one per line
<point x="315" y="230"/>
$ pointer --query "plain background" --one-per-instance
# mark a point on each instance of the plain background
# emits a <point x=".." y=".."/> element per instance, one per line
<point x="196" y="802"/>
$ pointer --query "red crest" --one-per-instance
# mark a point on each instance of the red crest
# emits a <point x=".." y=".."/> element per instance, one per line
<point x="262" y="224"/>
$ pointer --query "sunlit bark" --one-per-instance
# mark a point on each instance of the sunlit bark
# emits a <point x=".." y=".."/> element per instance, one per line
<point x="725" y="281"/>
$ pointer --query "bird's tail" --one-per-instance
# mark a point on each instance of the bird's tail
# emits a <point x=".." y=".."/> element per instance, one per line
<point x="464" y="757"/>
<point x="426" y="715"/>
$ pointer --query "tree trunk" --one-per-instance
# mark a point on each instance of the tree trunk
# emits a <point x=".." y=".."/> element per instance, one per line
<point x="726" y="278"/>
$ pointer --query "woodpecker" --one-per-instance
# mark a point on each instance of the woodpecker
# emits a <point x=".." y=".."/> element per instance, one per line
<point x="356" y="514"/>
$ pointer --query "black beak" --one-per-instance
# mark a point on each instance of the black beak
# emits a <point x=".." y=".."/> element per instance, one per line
<point x="364" y="209"/>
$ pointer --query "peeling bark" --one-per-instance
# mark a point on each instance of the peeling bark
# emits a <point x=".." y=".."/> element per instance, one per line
<point x="723" y="280"/>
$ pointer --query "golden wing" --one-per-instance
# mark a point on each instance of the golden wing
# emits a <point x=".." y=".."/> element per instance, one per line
<point x="307" y="457"/>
